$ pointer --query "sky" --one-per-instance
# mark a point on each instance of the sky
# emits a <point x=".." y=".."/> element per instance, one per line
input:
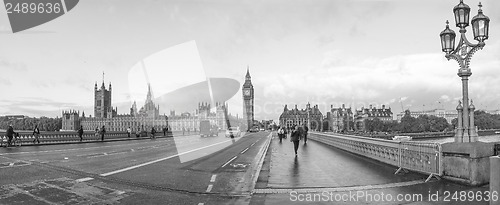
<point x="352" y="52"/>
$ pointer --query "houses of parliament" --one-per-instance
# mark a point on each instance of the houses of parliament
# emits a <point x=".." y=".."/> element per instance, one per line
<point x="149" y="114"/>
<point x="144" y="118"/>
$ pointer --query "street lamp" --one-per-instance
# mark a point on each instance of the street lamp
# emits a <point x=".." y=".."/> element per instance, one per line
<point x="466" y="131"/>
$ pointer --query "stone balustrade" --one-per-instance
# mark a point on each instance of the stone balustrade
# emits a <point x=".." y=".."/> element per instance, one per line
<point x="72" y="136"/>
<point x="415" y="156"/>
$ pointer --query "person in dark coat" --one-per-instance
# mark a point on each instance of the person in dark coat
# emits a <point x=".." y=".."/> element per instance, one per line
<point x="103" y="131"/>
<point x="153" y="132"/>
<point x="10" y="134"/>
<point x="305" y="130"/>
<point x="36" y="134"/>
<point x="281" y="133"/>
<point x="301" y="132"/>
<point x="80" y="133"/>
<point x="295" y="138"/>
<point x="138" y="132"/>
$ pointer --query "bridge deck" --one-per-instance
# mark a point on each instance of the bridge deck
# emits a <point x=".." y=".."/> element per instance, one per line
<point x="320" y="165"/>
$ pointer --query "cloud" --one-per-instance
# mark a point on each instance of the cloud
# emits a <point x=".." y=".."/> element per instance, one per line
<point x="5" y="81"/>
<point x="417" y="79"/>
<point x="35" y="107"/>
<point x="5" y="64"/>
<point x="445" y="98"/>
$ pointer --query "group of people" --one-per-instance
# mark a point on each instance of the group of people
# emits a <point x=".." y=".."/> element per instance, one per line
<point x="11" y="134"/>
<point x="98" y="132"/>
<point x="140" y="130"/>
<point x="296" y="134"/>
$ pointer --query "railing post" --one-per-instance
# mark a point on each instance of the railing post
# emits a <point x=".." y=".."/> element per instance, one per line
<point x="494" y="179"/>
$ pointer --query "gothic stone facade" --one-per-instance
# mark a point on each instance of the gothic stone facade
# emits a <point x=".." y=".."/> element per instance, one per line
<point x="302" y="117"/>
<point x="384" y="114"/>
<point x="145" y="118"/>
<point x="340" y="119"/>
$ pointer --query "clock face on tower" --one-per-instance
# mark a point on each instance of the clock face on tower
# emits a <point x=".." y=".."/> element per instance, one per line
<point x="246" y="92"/>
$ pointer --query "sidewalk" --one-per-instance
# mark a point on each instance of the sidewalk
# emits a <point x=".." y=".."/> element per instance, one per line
<point x="320" y="165"/>
<point x="334" y="176"/>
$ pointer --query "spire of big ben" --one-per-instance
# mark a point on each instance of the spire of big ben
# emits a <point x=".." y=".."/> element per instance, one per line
<point x="247" y="77"/>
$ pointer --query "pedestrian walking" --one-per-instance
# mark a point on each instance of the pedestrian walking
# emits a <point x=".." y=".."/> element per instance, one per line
<point x="96" y="132"/>
<point x="80" y="133"/>
<point x="164" y="131"/>
<point x="10" y="135"/>
<point x="281" y="132"/>
<point x="36" y="134"/>
<point x="138" y="132"/>
<point x="295" y="138"/>
<point x="305" y="129"/>
<point x="103" y="131"/>
<point x="183" y="130"/>
<point x="153" y="132"/>
<point x="301" y="132"/>
<point x="129" y="131"/>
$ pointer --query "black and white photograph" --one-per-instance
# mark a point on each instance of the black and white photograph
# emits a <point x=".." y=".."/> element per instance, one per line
<point x="250" y="102"/>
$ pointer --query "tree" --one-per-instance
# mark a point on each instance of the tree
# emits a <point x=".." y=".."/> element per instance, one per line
<point x="485" y="120"/>
<point x="28" y="123"/>
<point x="408" y="123"/>
<point x="437" y="124"/>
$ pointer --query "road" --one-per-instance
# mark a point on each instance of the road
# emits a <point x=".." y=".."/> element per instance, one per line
<point x="175" y="170"/>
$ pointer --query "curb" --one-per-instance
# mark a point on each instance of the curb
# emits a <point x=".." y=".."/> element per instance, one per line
<point x="262" y="153"/>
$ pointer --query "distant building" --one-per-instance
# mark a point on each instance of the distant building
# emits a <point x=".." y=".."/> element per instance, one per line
<point x="71" y="120"/>
<point x="311" y="116"/>
<point x="384" y="114"/>
<point x="449" y="115"/>
<point x="15" y="117"/>
<point x="266" y="124"/>
<point x="144" y="118"/>
<point x="340" y="119"/>
<point x="493" y="112"/>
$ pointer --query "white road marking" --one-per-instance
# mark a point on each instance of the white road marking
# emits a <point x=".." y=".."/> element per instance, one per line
<point x="200" y="203"/>
<point x="209" y="188"/>
<point x="159" y="160"/>
<point x="245" y="150"/>
<point x="229" y="161"/>
<point x="213" y="178"/>
<point x="253" y="144"/>
<point x="11" y="164"/>
<point x="84" y="179"/>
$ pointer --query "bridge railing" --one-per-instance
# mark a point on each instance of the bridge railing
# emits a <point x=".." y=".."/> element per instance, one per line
<point x="72" y="136"/>
<point x="416" y="156"/>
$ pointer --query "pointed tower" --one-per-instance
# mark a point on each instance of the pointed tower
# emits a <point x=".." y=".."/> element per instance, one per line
<point x="102" y="100"/>
<point x="248" y="101"/>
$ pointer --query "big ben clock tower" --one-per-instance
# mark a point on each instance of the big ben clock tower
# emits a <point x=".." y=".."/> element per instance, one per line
<point x="248" y="97"/>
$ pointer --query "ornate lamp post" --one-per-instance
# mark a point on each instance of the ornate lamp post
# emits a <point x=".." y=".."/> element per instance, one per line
<point x="466" y="131"/>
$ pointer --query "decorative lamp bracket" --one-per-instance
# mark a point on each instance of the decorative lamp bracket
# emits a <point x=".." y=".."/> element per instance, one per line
<point x="464" y="52"/>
